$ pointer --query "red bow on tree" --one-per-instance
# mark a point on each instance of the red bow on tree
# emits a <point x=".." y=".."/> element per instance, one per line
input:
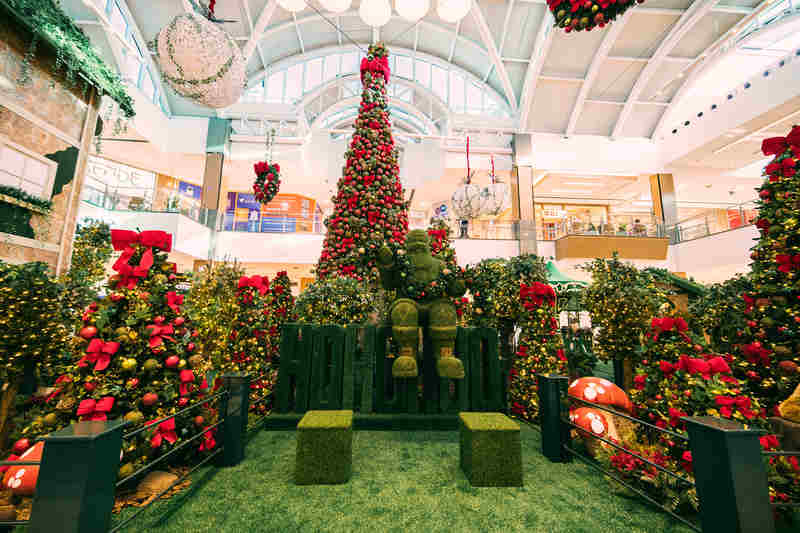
<point x="187" y="378"/>
<point x="208" y="441"/>
<point x="123" y="240"/>
<point x="99" y="353"/>
<point x="776" y="145"/>
<point x="260" y="283"/>
<point x="164" y="432"/>
<point x="95" y="409"/>
<point x="174" y="301"/>
<point x="158" y="333"/>
<point x="379" y="65"/>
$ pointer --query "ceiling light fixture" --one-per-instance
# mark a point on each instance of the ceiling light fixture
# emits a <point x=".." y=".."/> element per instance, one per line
<point x="375" y="13"/>
<point x="292" y="5"/>
<point x="412" y="10"/>
<point x="336" y="6"/>
<point x="453" y="10"/>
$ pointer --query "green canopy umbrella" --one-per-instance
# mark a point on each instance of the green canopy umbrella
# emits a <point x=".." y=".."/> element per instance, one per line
<point x="560" y="282"/>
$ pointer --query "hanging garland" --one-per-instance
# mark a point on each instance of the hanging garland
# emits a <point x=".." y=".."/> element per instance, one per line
<point x="577" y="15"/>
<point x="268" y="175"/>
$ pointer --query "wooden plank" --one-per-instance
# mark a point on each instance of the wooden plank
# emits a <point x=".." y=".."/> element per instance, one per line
<point x="348" y="366"/>
<point x="366" y="369"/>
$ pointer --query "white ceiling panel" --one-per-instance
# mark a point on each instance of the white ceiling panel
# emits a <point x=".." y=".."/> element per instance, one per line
<point x="615" y="80"/>
<point x="552" y="106"/>
<point x="571" y="54"/>
<point x="665" y="79"/>
<point x="643" y="34"/>
<point x="704" y="33"/>
<point x="597" y="119"/>
<point x="642" y="121"/>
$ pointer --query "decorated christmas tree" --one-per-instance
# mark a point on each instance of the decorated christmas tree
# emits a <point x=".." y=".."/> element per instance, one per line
<point x="135" y="357"/>
<point x="772" y="307"/>
<point x="369" y="210"/>
<point x="540" y="349"/>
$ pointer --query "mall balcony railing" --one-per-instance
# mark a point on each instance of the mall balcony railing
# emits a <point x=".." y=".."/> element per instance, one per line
<point x="552" y="232"/>
<point x="713" y="221"/>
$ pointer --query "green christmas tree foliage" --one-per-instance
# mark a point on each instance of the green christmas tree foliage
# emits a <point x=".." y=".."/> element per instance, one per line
<point x="135" y="357"/>
<point x="337" y="300"/>
<point x="719" y="312"/>
<point x="369" y="210"/>
<point x="621" y="300"/>
<point x="772" y="307"/>
<point x="213" y="305"/>
<point x="33" y="336"/>
<point x="540" y="349"/>
<point x="91" y="251"/>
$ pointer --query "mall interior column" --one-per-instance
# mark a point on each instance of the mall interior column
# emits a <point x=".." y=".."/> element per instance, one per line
<point x="522" y="192"/>
<point x="216" y="143"/>
<point x="662" y="191"/>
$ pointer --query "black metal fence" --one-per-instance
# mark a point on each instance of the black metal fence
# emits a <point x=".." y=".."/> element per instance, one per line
<point x="730" y="477"/>
<point x="82" y="461"/>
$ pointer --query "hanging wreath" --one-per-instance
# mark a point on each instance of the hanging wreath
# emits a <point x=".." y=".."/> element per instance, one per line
<point x="577" y="15"/>
<point x="268" y="181"/>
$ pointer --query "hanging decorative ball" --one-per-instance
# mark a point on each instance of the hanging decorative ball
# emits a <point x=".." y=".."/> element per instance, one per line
<point x="200" y="61"/>
<point x="495" y="198"/>
<point x="375" y="13"/>
<point x="412" y="10"/>
<point x="467" y="201"/>
<point x="453" y="10"/>
<point x="336" y="6"/>
<point x="292" y="5"/>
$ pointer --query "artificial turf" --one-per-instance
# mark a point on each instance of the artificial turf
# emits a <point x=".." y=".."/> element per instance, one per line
<point x="402" y="481"/>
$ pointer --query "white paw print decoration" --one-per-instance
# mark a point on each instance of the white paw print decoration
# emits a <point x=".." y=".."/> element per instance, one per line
<point x="16" y="480"/>
<point x="596" y="424"/>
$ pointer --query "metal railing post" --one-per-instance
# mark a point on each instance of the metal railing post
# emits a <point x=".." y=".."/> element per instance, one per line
<point x="730" y="476"/>
<point x="75" y="488"/>
<point x="555" y="434"/>
<point x="235" y="408"/>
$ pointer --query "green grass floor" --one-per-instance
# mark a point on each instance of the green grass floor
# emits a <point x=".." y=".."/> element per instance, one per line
<point x="403" y="482"/>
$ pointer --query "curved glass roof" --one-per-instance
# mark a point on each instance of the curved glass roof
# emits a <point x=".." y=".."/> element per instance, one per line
<point x="290" y="81"/>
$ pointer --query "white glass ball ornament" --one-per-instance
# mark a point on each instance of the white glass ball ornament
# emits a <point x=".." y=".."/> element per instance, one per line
<point x="292" y="5"/>
<point x="336" y="6"/>
<point x="200" y="61"/>
<point x="412" y="10"/>
<point x="453" y="10"/>
<point x="375" y="13"/>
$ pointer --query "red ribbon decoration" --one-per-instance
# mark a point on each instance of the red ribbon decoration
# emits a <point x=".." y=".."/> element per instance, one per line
<point x="187" y="378"/>
<point x="12" y="457"/>
<point x="379" y="65"/>
<point x="123" y="240"/>
<point x="159" y="333"/>
<point x="260" y="283"/>
<point x="174" y="301"/>
<point x="208" y="441"/>
<point x="776" y="145"/>
<point x="95" y="409"/>
<point x="99" y="353"/>
<point x="164" y="432"/>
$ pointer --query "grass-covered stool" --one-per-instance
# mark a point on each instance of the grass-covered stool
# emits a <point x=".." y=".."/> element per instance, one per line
<point x="324" y="448"/>
<point x="491" y="451"/>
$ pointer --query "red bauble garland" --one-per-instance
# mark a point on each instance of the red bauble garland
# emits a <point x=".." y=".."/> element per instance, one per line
<point x="268" y="181"/>
<point x="577" y="15"/>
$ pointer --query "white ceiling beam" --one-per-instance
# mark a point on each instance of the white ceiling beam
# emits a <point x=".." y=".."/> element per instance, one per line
<point x="516" y="59"/>
<point x="245" y="7"/>
<point x="696" y="11"/>
<point x="506" y="20"/>
<point x="541" y="46"/>
<point x="567" y="79"/>
<point x="258" y="28"/>
<point x="376" y="35"/>
<point x="339" y="30"/>
<point x="416" y="37"/>
<point x="453" y="44"/>
<point x="752" y="134"/>
<point x="137" y="33"/>
<point x="494" y="55"/>
<point x="299" y="36"/>
<point x="612" y="33"/>
<point x="697" y="68"/>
